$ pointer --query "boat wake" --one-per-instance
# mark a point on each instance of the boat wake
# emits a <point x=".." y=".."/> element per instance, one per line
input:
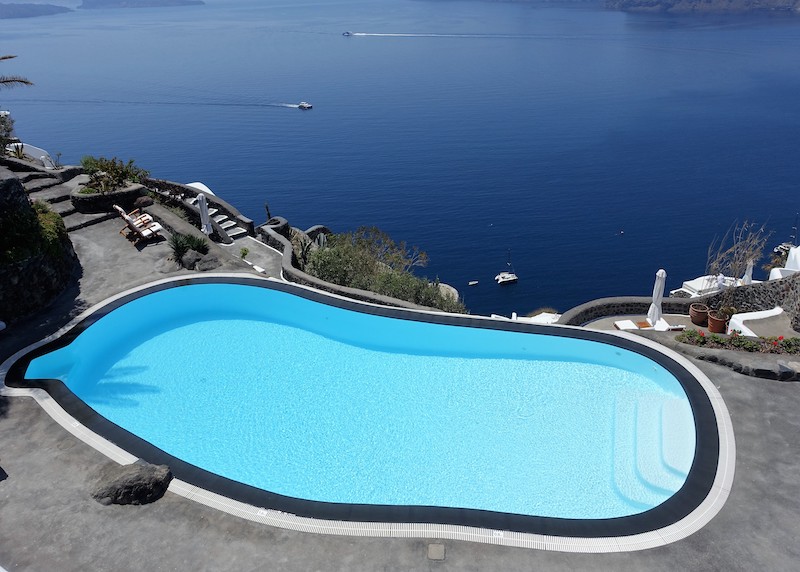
<point x="399" y="35"/>
<point x="160" y="103"/>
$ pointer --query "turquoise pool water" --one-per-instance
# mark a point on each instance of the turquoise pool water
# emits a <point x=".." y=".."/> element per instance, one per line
<point x="321" y="403"/>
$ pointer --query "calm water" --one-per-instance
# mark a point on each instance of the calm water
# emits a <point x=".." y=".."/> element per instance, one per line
<point x="377" y="406"/>
<point x="598" y="146"/>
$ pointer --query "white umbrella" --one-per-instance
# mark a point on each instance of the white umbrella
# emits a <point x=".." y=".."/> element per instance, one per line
<point x="205" y="221"/>
<point x="748" y="274"/>
<point x="654" y="313"/>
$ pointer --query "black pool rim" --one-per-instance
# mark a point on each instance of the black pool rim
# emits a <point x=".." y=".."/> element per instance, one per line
<point x="697" y="487"/>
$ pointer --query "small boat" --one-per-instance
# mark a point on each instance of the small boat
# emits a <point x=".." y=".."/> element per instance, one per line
<point x="347" y="34"/>
<point x="507" y="276"/>
<point x="473" y="282"/>
<point x="304" y="105"/>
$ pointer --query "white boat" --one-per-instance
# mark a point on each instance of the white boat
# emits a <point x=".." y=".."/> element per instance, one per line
<point x="304" y="105"/>
<point x="473" y="282"/>
<point x="507" y="276"/>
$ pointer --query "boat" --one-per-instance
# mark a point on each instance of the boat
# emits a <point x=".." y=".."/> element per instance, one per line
<point x="347" y="34"/>
<point x="304" y="105"/>
<point x="473" y="282"/>
<point x="507" y="276"/>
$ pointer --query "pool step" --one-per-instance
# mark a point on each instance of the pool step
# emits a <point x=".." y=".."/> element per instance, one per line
<point x="649" y="449"/>
<point x="652" y="449"/>
<point x="677" y="423"/>
<point x="626" y="477"/>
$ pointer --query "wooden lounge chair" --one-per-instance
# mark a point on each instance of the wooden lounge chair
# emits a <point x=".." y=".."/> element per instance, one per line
<point x="139" y="218"/>
<point x="140" y="226"/>
<point x="142" y="232"/>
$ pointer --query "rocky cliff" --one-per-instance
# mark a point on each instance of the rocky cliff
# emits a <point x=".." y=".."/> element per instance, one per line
<point x="706" y="6"/>
<point x="36" y="255"/>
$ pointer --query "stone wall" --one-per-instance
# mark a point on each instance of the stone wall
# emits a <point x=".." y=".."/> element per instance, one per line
<point x="177" y="190"/>
<point x="31" y="283"/>
<point x="269" y="235"/>
<point x="763" y="296"/>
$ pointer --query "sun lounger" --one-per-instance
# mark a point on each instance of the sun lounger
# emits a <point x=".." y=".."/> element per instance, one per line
<point x="139" y="219"/>
<point x="660" y="326"/>
<point x="143" y="232"/>
<point x="142" y="227"/>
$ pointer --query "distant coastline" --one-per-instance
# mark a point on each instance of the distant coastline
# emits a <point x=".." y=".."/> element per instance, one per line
<point x="707" y="6"/>
<point x="8" y="11"/>
<point x="93" y="4"/>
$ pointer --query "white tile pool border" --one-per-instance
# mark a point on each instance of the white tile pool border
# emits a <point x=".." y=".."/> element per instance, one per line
<point x="694" y="521"/>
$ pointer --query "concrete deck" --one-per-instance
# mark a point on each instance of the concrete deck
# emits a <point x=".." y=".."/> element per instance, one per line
<point x="48" y="521"/>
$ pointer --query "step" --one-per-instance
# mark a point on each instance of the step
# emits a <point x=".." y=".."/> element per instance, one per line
<point x="649" y="449"/>
<point x="76" y="181"/>
<point x="220" y="218"/>
<point x="64" y="208"/>
<point x="31" y="176"/>
<point x="38" y="184"/>
<point x="51" y="195"/>
<point x="626" y="477"/>
<point x="77" y="221"/>
<point x="236" y="232"/>
<point x="678" y="428"/>
<point x="227" y="224"/>
<point x="212" y="212"/>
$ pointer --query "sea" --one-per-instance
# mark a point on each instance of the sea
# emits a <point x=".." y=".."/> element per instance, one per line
<point x="588" y="148"/>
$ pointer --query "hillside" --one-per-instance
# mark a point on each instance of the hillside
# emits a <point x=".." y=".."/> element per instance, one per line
<point x="29" y="10"/>
<point x="706" y="6"/>
<point x="91" y="4"/>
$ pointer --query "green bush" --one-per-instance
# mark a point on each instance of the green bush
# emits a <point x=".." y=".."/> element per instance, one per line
<point x="31" y="232"/>
<point x="736" y="341"/>
<point x="197" y="243"/>
<point x="369" y="260"/>
<point x="107" y="175"/>
<point x="179" y="246"/>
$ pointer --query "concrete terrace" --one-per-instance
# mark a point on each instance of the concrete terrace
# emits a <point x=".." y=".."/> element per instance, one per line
<point x="48" y="521"/>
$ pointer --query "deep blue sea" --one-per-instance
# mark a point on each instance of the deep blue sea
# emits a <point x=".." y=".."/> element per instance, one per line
<point x="597" y="146"/>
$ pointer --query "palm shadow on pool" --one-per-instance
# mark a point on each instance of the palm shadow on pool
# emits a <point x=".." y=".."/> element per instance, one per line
<point x="105" y="391"/>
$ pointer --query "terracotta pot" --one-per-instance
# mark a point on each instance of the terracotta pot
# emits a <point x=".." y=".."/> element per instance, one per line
<point x="717" y="323"/>
<point x="698" y="313"/>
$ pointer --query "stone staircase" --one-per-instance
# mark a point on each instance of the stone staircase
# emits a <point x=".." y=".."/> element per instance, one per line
<point x="51" y="190"/>
<point x="224" y="221"/>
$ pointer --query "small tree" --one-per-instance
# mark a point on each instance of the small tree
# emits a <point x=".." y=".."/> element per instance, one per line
<point x="731" y="255"/>
<point x="6" y="131"/>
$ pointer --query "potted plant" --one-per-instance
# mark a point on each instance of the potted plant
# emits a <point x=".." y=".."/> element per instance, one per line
<point x="698" y="312"/>
<point x="718" y="319"/>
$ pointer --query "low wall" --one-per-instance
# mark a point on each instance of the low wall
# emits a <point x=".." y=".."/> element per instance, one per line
<point x="268" y="234"/>
<point x="763" y="296"/>
<point x="104" y="202"/>
<point x="177" y="190"/>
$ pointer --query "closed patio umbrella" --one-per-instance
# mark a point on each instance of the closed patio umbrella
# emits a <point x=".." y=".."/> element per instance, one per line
<point x="654" y="312"/>
<point x="205" y="220"/>
<point x="748" y="274"/>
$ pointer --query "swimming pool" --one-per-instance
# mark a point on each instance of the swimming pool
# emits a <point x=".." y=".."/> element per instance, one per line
<point x="338" y="409"/>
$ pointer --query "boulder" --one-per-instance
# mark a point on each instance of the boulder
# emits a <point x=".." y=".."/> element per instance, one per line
<point x="208" y="262"/>
<point x="190" y="260"/>
<point x="143" y="201"/>
<point x="138" y="483"/>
